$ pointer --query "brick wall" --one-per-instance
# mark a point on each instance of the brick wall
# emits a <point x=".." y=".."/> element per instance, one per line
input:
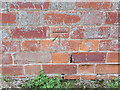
<point x="76" y="39"/>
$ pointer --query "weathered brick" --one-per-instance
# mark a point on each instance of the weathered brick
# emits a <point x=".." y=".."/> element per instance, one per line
<point x="103" y="77"/>
<point x="60" y="32"/>
<point x="86" y="69"/>
<point x="29" y="18"/>
<point x="61" y="18"/>
<point x="1" y="47"/>
<point x="72" y="77"/>
<point x="51" y="76"/>
<point x="63" y="45"/>
<point x="69" y="45"/>
<point x="9" y="18"/>
<point x="111" y="18"/>
<point x="30" y="32"/>
<point x="61" y="5"/>
<point x="28" y="5"/>
<point x="113" y="57"/>
<point x="60" y="69"/>
<point x="32" y="69"/>
<point x="91" y="32"/>
<point x="49" y="45"/>
<point x="89" y="57"/>
<point x="11" y="46"/>
<point x="89" y="77"/>
<point x="118" y="6"/>
<point x="107" y="69"/>
<point x="89" y="45"/>
<point x="3" y="5"/>
<point x="0" y="35"/>
<point x="31" y="45"/>
<point x="60" y="57"/>
<point x="77" y="32"/>
<point x="0" y="5"/>
<point x="92" y="18"/>
<point x="4" y="33"/>
<point x="94" y="5"/>
<point x="16" y="77"/>
<point x="108" y="45"/>
<point x="12" y="70"/>
<point x="32" y="57"/>
<point x="113" y="76"/>
<point x="115" y="32"/>
<point x="5" y="59"/>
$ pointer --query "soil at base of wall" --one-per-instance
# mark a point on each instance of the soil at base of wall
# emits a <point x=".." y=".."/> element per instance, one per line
<point x="17" y="83"/>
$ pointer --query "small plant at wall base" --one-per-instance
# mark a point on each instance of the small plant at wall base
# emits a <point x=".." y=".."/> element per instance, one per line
<point x="42" y="81"/>
<point x="5" y="78"/>
<point x="115" y="83"/>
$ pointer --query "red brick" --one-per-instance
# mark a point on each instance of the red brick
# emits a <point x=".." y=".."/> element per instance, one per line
<point x="0" y="19"/>
<point x="9" y="18"/>
<point x="1" y="58"/>
<point x="5" y="59"/>
<point x="72" y="77"/>
<point x="86" y="69"/>
<point x="29" y="18"/>
<point x="108" y="45"/>
<point x="30" y="32"/>
<point x="12" y="70"/>
<point x="31" y="45"/>
<point x="119" y="16"/>
<point x="118" y="32"/>
<point x="60" y="32"/>
<point x="60" y="69"/>
<point x="89" y="77"/>
<point x="107" y="69"/>
<point x="60" y="57"/>
<point x="1" y="69"/>
<point x="63" y="45"/>
<point x="61" y="18"/>
<point x="28" y="5"/>
<point x="88" y="57"/>
<point x="11" y="46"/>
<point x="92" y="18"/>
<point x="110" y="18"/>
<point x="113" y="57"/>
<point x="32" y="57"/>
<point x="32" y="69"/>
<point x="89" y="45"/>
<point x="93" y="32"/>
<point x="94" y="5"/>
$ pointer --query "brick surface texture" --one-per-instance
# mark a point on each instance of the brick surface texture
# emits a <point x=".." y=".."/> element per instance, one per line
<point x="79" y="40"/>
